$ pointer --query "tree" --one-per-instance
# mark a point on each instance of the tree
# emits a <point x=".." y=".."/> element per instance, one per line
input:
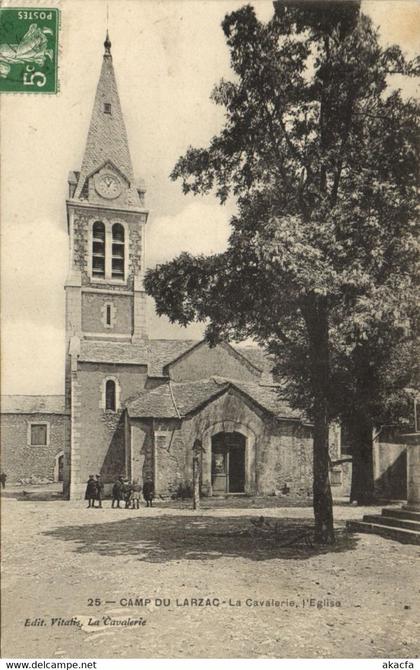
<point x="378" y="371"/>
<point x="320" y="157"/>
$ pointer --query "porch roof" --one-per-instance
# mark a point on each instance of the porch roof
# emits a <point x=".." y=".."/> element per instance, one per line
<point x="177" y="400"/>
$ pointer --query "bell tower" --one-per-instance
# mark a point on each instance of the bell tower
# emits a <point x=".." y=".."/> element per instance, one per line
<point x="105" y="298"/>
<point x="106" y="214"/>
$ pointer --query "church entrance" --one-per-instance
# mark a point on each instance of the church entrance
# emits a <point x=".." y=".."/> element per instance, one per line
<point x="228" y="463"/>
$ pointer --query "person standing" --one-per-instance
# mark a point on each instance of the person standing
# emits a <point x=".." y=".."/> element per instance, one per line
<point x="117" y="492"/>
<point x="3" y="478"/>
<point x="148" y="492"/>
<point x="135" y="494"/>
<point x="99" y="490"/>
<point x="91" y="489"/>
<point x="128" y="487"/>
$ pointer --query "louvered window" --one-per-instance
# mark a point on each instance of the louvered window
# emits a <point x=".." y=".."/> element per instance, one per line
<point x="118" y="251"/>
<point x="98" y="249"/>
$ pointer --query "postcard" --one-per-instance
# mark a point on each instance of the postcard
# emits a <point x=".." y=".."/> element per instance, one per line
<point x="210" y="445"/>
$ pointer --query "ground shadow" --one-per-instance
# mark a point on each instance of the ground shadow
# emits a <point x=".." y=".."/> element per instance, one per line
<point x="27" y="494"/>
<point x="168" y="538"/>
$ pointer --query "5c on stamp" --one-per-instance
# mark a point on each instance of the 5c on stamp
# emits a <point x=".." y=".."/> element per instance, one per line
<point x="29" y="50"/>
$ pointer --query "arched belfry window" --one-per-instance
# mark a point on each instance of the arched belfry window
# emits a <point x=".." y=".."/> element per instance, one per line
<point x="118" y="251"/>
<point x="110" y="395"/>
<point x="98" y="249"/>
<point x="109" y="252"/>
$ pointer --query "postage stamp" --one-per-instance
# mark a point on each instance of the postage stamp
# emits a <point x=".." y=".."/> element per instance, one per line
<point x="29" y="50"/>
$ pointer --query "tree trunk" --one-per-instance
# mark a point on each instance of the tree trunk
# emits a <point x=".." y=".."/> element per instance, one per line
<point x="362" y="479"/>
<point x="197" y="451"/>
<point x="316" y="318"/>
<point x="322" y="500"/>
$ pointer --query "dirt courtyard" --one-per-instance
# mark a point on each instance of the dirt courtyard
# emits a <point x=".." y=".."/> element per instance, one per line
<point x="77" y="583"/>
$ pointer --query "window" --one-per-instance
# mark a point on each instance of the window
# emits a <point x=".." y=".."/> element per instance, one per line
<point x="108" y="313"/>
<point x="109" y="253"/>
<point x="118" y="251"/>
<point x="98" y="249"/>
<point x="110" y="395"/>
<point x="38" y="434"/>
<point x="107" y="107"/>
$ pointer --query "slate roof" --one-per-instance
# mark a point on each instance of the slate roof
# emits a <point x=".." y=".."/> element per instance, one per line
<point x="107" y="136"/>
<point x="157" y="354"/>
<point x="94" y="351"/>
<point x="156" y="403"/>
<point x="255" y="355"/>
<point x="163" y="352"/>
<point x="32" y="404"/>
<point x="175" y="400"/>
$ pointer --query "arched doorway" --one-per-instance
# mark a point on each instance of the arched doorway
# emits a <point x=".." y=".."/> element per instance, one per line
<point x="59" y="467"/>
<point x="228" y="463"/>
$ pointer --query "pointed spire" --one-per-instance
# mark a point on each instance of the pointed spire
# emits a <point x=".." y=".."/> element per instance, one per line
<point x="107" y="45"/>
<point x="107" y="137"/>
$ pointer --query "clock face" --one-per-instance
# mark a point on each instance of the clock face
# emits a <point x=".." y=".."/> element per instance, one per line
<point x="108" y="185"/>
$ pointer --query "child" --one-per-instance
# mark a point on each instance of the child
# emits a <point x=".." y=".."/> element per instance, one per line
<point x="117" y="492"/>
<point x="135" y="494"/>
<point x="128" y="487"/>
<point x="91" y="491"/>
<point x="148" y="492"/>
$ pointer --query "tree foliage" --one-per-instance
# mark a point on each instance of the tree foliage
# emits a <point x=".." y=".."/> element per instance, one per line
<point x="319" y="153"/>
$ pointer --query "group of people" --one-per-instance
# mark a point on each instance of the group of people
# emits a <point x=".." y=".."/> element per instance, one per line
<point x="94" y="491"/>
<point x="122" y="491"/>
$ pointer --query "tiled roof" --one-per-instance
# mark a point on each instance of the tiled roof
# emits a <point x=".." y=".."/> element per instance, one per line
<point x="162" y="352"/>
<point x="268" y="397"/>
<point x="157" y="354"/>
<point x="32" y="404"/>
<point x="154" y="353"/>
<point x="171" y="400"/>
<point x="255" y="355"/>
<point x="155" y="403"/>
<point x="260" y="360"/>
<point x="190" y="395"/>
<point x="94" y="351"/>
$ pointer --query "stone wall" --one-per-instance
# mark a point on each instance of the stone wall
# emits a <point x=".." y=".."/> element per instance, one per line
<point x="101" y="433"/>
<point x="21" y="460"/>
<point x="280" y="452"/>
<point x="82" y="251"/>
<point x="389" y="467"/>
<point x="285" y="460"/>
<point x="94" y="318"/>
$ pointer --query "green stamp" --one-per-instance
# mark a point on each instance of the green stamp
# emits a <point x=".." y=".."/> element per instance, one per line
<point x="29" y="50"/>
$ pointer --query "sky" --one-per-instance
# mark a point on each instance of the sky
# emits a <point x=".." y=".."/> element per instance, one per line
<point x="168" y="55"/>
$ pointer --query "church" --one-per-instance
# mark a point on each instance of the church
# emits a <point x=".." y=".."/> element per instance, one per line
<point x="140" y="407"/>
<point x="136" y="404"/>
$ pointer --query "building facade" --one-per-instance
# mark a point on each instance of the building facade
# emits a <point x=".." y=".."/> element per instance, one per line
<point x="142" y="407"/>
<point x="136" y="404"/>
<point x="33" y="437"/>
